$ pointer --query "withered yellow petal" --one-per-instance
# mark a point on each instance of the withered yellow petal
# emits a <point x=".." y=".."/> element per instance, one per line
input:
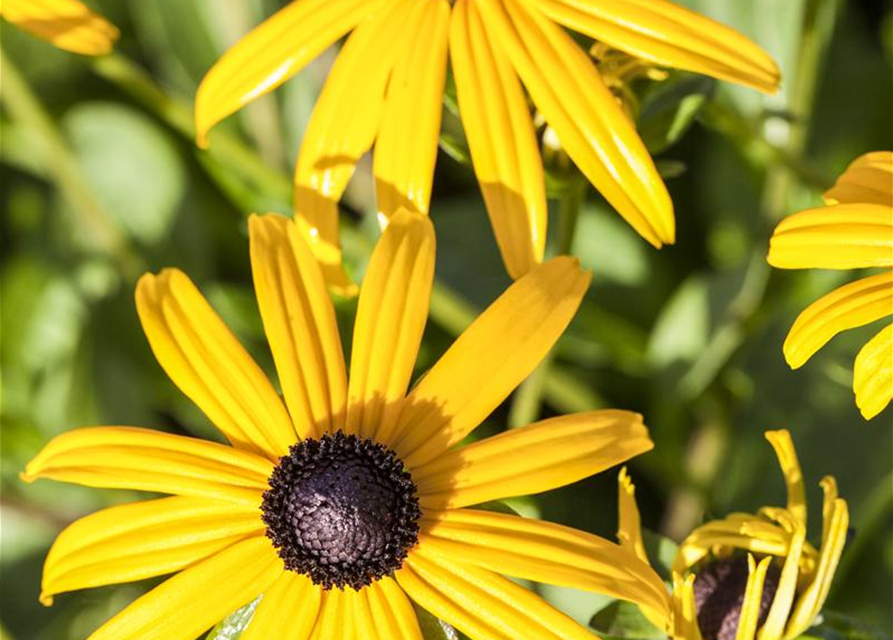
<point x="542" y="552"/>
<point x="594" y="130"/>
<point x="195" y="599"/>
<point x="288" y="610"/>
<point x="300" y="324"/>
<point x="481" y="604"/>
<point x="749" y="617"/>
<point x="205" y="360"/>
<point x="786" y="591"/>
<point x="746" y="532"/>
<point x="489" y="360"/>
<point x="342" y="127"/>
<point x="685" y="613"/>
<point x="531" y="459"/>
<point x="873" y="374"/>
<point x="389" y="613"/>
<point x="391" y="315"/>
<point x="869" y="179"/>
<point x="146" y="460"/>
<point x="501" y="139"/>
<point x="272" y="53"/>
<point x="669" y="35"/>
<point x="142" y="540"/>
<point x="852" y="305"/>
<point x="67" y="24"/>
<point x="793" y="475"/>
<point x="843" y="236"/>
<point x="406" y="147"/>
<point x="629" y="528"/>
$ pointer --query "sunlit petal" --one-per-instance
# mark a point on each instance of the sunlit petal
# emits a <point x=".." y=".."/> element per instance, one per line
<point x="288" y="610"/>
<point x="793" y="475"/>
<point x="67" y="24"/>
<point x="753" y="598"/>
<point x="869" y="179"/>
<point x="873" y="374"/>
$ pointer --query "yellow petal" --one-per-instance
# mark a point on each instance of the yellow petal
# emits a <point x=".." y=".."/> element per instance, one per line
<point x="197" y="598"/>
<point x="685" y="615"/>
<point x="342" y="128"/>
<point x="873" y="374"/>
<point x="389" y="613"/>
<point x="629" y="529"/>
<point x="542" y="552"/>
<point x="481" y="604"/>
<point x="780" y="610"/>
<point x="67" y="24"/>
<point x="749" y="617"/>
<point x="205" y="360"/>
<point x="869" y="179"/>
<point x="843" y="236"/>
<point x="141" y="540"/>
<point x="810" y="602"/>
<point x="501" y="139"/>
<point x="390" y="319"/>
<point x="300" y="324"/>
<point x="287" y="611"/>
<point x="490" y="359"/>
<point x="272" y="53"/>
<point x="146" y="460"/>
<point x="750" y="533"/>
<point x="790" y="467"/>
<point x="594" y="130"/>
<point x="852" y="305"/>
<point x="406" y="148"/>
<point x="669" y="35"/>
<point x="337" y="617"/>
<point x="542" y="456"/>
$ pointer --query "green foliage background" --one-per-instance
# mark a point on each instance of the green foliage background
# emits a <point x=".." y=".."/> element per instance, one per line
<point x="101" y="181"/>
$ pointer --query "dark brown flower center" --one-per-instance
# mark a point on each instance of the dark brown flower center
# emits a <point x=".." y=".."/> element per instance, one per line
<point x="719" y="595"/>
<point x="341" y="510"/>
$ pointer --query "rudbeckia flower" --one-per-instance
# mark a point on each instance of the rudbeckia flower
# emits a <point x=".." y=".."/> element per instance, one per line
<point x="347" y="499"/>
<point x="67" y="24"/>
<point x="748" y="576"/>
<point x="386" y="87"/>
<point x="854" y="231"/>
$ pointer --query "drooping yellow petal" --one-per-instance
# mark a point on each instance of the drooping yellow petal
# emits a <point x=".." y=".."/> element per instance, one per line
<point x="869" y="179"/>
<point x="142" y="540"/>
<point x="406" y="147"/>
<point x="873" y="374"/>
<point x="793" y="474"/>
<point x="481" y="604"/>
<point x="67" y="24"/>
<point x="146" y="460"/>
<point x="501" y="139"/>
<point x="205" y="360"/>
<point x="300" y="324"/>
<point x="629" y="529"/>
<point x="389" y="613"/>
<point x="749" y="617"/>
<point x="489" y="360"/>
<point x="542" y="552"/>
<point x="594" y="130"/>
<point x="337" y="615"/>
<point x="391" y="317"/>
<point x="786" y="592"/>
<point x="852" y="305"/>
<point x="342" y="128"/>
<point x="195" y="599"/>
<point x="685" y="612"/>
<point x="531" y="459"/>
<point x="288" y="610"/>
<point x="670" y="36"/>
<point x="752" y="534"/>
<point x="811" y="600"/>
<point x="843" y="236"/>
<point x="272" y="53"/>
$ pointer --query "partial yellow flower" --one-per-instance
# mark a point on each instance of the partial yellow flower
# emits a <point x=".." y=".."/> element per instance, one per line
<point x="854" y="231"/>
<point x="386" y="86"/>
<point x="748" y="576"/>
<point x="348" y="498"/>
<point x="67" y="24"/>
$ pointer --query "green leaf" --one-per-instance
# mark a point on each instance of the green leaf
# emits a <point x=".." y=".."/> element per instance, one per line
<point x="838" y="626"/>
<point x="233" y="626"/>
<point x="661" y="552"/>
<point x="434" y="628"/>
<point x="624" y="620"/>
<point x="670" y="109"/>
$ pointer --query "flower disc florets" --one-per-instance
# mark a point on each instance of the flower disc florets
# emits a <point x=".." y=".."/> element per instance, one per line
<point x="341" y="510"/>
<point x="719" y="595"/>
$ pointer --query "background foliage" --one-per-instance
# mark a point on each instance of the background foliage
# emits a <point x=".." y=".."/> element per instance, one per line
<point x="101" y="181"/>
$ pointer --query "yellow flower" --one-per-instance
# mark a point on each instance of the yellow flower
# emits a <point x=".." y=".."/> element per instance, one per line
<point x="66" y="24"/>
<point x="386" y="86"/>
<point x="854" y="231"/>
<point x="748" y="576"/>
<point x="349" y="499"/>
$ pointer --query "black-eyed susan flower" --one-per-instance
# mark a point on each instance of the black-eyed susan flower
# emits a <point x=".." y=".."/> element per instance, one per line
<point x="386" y="85"/>
<point x="67" y="24"/>
<point x="749" y="576"/>
<point x="854" y="231"/>
<point x="347" y="499"/>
